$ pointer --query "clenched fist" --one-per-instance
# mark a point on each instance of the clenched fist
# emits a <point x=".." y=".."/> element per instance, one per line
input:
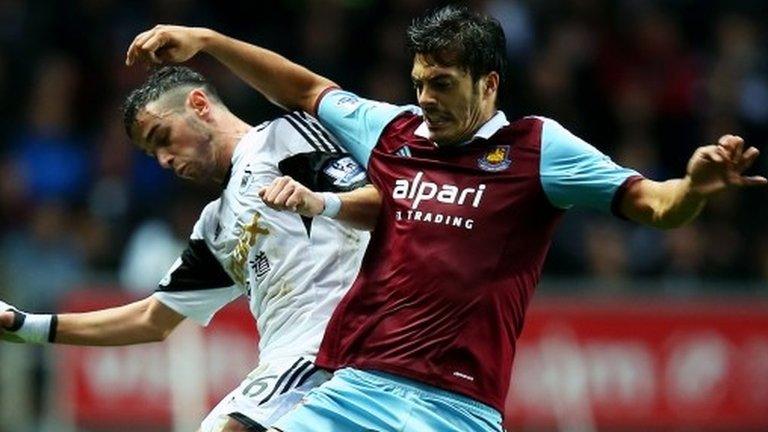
<point x="286" y="193"/>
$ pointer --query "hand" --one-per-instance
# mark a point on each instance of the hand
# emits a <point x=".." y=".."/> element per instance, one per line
<point x="6" y="321"/>
<point x="714" y="168"/>
<point x="286" y="193"/>
<point x="166" y="44"/>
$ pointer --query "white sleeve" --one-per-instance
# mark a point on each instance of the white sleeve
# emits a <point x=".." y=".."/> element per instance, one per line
<point x="197" y="286"/>
<point x="201" y="305"/>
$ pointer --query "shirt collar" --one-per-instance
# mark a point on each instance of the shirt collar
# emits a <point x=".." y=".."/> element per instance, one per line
<point x="498" y="121"/>
<point x="241" y="149"/>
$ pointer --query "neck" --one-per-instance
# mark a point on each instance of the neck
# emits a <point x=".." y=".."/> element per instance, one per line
<point x="231" y="130"/>
<point x="482" y="117"/>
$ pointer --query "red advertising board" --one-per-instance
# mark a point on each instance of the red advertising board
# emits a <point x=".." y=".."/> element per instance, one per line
<point x="648" y="364"/>
<point x="132" y="385"/>
<point x="581" y="365"/>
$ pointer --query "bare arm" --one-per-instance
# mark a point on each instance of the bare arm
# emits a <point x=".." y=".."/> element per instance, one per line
<point x="283" y="82"/>
<point x="711" y="169"/>
<point x="358" y="208"/>
<point x="146" y="320"/>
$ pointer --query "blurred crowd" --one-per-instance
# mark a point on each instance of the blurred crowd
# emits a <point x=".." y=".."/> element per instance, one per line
<point x="644" y="81"/>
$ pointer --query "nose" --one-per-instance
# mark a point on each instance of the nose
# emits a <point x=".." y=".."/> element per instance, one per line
<point x="426" y="97"/>
<point x="164" y="158"/>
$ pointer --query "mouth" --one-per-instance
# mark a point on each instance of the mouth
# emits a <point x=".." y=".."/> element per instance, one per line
<point x="434" y="123"/>
<point x="181" y="171"/>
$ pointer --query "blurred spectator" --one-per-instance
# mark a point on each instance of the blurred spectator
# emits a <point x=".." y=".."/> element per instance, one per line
<point x="43" y="260"/>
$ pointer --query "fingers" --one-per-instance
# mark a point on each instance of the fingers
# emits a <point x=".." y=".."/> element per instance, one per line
<point x="6" y="320"/>
<point x="152" y="45"/>
<point x="748" y="181"/>
<point x="713" y="154"/>
<point x="272" y="191"/>
<point x="733" y="147"/>
<point x="133" y="54"/>
<point x="286" y="193"/>
<point x="748" y="158"/>
<point x="281" y="199"/>
<point x="295" y="202"/>
<point x="283" y="194"/>
<point x="148" y="45"/>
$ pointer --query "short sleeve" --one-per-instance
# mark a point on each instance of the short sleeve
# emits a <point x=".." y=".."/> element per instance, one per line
<point x="574" y="173"/>
<point x="196" y="285"/>
<point x="200" y="306"/>
<point x="357" y="122"/>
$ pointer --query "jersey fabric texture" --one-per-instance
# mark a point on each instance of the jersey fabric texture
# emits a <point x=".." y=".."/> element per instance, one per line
<point x="460" y="242"/>
<point x="293" y="270"/>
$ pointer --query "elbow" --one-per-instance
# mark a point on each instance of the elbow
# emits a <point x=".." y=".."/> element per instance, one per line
<point x="670" y="221"/>
<point x="161" y="334"/>
<point x="310" y="100"/>
<point x="156" y="333"/>
<point x="155" y="328"/>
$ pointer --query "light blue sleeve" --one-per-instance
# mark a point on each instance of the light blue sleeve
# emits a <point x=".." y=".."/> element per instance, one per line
<point x="357" y="122"/>
<point x="573" y="173"/>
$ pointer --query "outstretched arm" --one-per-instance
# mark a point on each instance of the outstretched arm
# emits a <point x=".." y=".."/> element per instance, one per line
<point x="711" y="169"/>
<point x="283" y="82"/>
<point x="146" y="320"/>
<point x="358" y="208"/>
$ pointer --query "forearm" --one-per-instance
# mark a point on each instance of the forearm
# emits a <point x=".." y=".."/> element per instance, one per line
<point x="283" y="82"/>
<point x="665" y="205"/>
<point x="360" y="208"/>
<point x="146" y="320"/>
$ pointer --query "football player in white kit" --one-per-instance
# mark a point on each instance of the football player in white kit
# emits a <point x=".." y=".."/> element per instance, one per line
<point x="293" y="269"/>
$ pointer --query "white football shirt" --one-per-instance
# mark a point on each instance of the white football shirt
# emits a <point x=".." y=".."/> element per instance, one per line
<point x="294" y="270"/>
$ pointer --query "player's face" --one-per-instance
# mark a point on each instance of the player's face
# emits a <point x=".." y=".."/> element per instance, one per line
<point x="178" y="139"/>
<point x="454" y="105"/>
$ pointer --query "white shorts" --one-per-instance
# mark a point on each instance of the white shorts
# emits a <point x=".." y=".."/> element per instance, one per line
<point x="267" y="393"/>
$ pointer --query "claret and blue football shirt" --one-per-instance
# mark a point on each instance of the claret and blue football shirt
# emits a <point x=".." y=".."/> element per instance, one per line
<point x="460" y="241"/>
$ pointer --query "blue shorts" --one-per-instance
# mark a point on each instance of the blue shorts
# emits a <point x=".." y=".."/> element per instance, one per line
<point x="357" y="401"/>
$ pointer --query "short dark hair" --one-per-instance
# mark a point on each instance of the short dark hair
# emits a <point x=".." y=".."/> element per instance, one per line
<point x="162" y="81"/>
<point x="476" y="40"/>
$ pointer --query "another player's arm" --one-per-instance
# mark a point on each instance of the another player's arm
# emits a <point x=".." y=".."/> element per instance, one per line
<point x="146" y="320"/>
<point x="711" y="169"/>
<point x="280" y="80"/>
<point x="358" y="208"/>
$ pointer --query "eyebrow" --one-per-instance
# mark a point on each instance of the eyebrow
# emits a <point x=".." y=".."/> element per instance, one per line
<point x="432" y="78"/>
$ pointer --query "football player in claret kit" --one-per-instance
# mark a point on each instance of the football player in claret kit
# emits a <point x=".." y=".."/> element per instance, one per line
<point x="425" y="338"/>
<point x="293" y="269"/>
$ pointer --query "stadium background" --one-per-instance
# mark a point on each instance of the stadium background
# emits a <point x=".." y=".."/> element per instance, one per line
<point x="644" y="81"/>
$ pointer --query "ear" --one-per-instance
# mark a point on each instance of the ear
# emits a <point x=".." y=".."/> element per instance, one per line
<point x="199" y="102"/>
<point x="491" y="84"/>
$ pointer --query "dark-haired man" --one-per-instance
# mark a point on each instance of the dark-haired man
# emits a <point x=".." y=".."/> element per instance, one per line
<point x="424" y="340"/>
<point x="293" y="270"/>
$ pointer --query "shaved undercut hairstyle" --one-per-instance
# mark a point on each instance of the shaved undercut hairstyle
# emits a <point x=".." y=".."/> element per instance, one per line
<point x="457" y="36"/>
<point x="174" y="81"/>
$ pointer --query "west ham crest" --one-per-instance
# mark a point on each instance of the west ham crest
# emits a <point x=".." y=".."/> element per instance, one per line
<point x="496" y="159"/>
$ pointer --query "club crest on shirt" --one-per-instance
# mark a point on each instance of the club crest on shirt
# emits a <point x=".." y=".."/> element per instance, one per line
<point x="496" y="159"/>
<point x="246" y="180"/>
<point x="344" y="172"/>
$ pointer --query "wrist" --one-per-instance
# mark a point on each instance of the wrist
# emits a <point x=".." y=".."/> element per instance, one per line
<point x="691" y="191"/>
<point x="331" y="204"/>
<point x="206" y="38"/>
<point x="33" y="328"/>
